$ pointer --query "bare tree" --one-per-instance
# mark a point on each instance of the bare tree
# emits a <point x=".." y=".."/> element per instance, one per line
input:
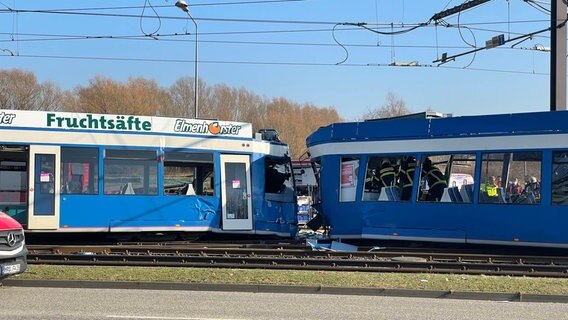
<point x="295" y="122"/>
<point x="137" y="96"/>
<point x="183" y="99"/>
<point x="394" y="107"/>
<point x="20" y="90"/>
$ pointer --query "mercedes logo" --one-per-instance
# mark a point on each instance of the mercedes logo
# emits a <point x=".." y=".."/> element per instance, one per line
<point x="12" y="239"/>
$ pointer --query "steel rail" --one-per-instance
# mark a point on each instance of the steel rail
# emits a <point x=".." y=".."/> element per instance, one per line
<point x="301" y="259"/>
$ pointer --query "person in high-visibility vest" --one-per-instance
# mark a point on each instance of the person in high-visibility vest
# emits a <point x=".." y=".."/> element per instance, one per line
<point x="490" y="187"/>
<point x="406" y="176"/>
<point x="436" y="180"/>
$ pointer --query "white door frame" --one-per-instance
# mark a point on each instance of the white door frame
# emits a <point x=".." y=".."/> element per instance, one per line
<point x="43" y="222"/>
<point x="228" y="219"/>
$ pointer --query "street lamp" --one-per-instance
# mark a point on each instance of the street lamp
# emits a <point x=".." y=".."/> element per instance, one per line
<point x="183" y="6"/>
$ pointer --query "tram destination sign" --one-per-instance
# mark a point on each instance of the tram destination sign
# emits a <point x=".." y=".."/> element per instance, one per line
<point x="122" y="123"/>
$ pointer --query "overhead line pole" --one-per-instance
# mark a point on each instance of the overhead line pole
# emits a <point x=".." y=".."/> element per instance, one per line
<point x="558" y="55"/>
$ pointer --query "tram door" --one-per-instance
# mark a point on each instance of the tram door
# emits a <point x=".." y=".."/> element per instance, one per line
<point x="236" y="192"/>
<point x="44" y="187"/>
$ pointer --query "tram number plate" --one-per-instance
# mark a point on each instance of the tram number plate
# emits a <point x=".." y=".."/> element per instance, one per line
<point x="10" y="269"/>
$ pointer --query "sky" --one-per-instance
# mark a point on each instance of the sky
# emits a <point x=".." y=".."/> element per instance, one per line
<point x="307" y="51"/>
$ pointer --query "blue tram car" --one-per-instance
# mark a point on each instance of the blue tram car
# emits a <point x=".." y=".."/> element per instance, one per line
<point x="93" y="173"/>
<point x="490" y="180"/>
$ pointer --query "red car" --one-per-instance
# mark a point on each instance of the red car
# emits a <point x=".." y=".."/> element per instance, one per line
<point x="13" y="250"/>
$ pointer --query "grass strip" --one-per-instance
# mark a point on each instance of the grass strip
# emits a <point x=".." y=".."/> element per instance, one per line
<point x="524" y="285"/>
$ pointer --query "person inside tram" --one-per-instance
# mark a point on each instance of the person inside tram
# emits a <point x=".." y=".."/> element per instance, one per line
<point x="406" y="176"/>
<point x="436" y="180"/>
<point x="532" y="187"/>
<point x="387" y="174"/>
<point x="514" y="190"/>
<point x="489" y="189"/>
<point x="371" y="181"/>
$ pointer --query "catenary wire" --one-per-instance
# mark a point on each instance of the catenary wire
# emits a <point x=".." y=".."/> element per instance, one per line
<point x="169" y="6"/>
<point x="276" y="63"/>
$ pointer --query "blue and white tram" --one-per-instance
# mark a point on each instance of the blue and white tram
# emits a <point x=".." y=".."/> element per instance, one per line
<point x="84" y="173"/>
<point x="493" y="179"/>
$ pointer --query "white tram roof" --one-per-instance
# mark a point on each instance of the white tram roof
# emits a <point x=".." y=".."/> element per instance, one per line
<point x="45" y="127"/>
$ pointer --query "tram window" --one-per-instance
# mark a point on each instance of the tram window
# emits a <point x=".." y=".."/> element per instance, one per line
<point x="389" y="178"/>
<point x="79" y="170"/>
<point x="188" y="173"/>
<point x="130" y="172"/>
<point x="447" y="178"/>
<point x="348" y="179"/>
<point x="279" y="182"/>
<point x="13" y="179"/>
<point x="560" y="177"/>
<point x="512" y="177"/>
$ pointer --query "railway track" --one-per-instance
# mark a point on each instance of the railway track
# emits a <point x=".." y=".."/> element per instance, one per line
<point x="299" y="257"/>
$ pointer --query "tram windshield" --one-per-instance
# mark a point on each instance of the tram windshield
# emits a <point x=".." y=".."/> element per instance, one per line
<point x="279" y="179"/>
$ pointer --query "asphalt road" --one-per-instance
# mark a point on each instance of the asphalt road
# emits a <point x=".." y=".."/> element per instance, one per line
<point x="85" y="303"/>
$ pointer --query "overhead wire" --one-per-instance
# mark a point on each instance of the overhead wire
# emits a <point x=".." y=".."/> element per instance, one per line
<point x="459" y="30"/>
<point x="150" y="34"/>
<point x="268" y="21"/>
<point x="341" y="45"/>
<point x="15" y="25"/>
<point x="169" y="6"/>
<point x="236" y="20"/>
<point x="537" y="6"/>
<point x="170" y="38"/>
<point x="474" y="45"/>
<point x="376" y="29"/>
<point x="469" y="25"/>
<point x="447" y="4"/>
<point x="436" y="28"/>
<point x="135" y="16"/>
<point x="277" y="63"/>
<point x="377" y="20"/>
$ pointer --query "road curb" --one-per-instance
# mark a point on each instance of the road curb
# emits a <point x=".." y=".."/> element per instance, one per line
<point x="504" y="297"/>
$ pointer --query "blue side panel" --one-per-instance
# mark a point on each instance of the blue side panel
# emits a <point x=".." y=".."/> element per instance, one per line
<point x="270" y="216"/>
<point x="342" y="216"/>
<point x="344" y="131"/>
<point x="501" y="124"/>
<point x="415" y="234"/>
<point x="540" y="224"/>
<point x="536" y="122"/>
<point x="446" y="222"/>
<point x="369" y="130"/>
<point x="278" y="217"/>
<point x="78" y="211"/>
<point x="392" y="129"/>
<point x="321" y="134"/>
<point x="457" y="222"/>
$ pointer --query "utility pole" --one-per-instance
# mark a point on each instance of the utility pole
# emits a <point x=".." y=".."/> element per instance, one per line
<point x="558" y="55"/>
